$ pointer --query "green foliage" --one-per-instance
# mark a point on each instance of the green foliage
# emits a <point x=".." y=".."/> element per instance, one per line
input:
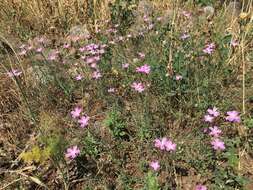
<point x="91" y="146"/>
<point x="116" y="124"/>
<point x="205" y="2"/>
<point x="227" y="179"/>
<point x="151" y="182"/>
<point x="249" y="123"/>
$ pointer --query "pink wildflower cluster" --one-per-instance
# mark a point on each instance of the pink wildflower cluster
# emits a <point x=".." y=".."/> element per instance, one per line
<point x="178" y="77"/>
<point x="209" y="48"/>
<point x="143" y="69"/>
<point x="72" y="152"/>
<point x="234" y="43"/>
<point x="83" y="119"/>
<point x="165" y="144"/>
<point x="233" y="116"/>
<point x="186" y="14"/>
<point x="92" y="55"/>
<point x="201" y="187"/>
<point x="162" y="144"/>
<point x="211" y="115"/>
<point x="138" y="86"/>
<point x="155" y="165"/>
<point x="25" y="48"/>
<point x="14" y="72"/>
<point x="214" y="131"/>
<point x="185" y="36"/>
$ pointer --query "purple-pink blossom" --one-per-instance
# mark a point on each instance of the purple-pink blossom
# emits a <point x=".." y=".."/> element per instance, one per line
<point x="39" y="50"/>
<point x="111" y="90"/>
<point x="72" y="152"/>
<point x="178" y="77"/>
<point x="23" y="52"/>
<point x="154" y="165"/>
<point x="185" y="36"/>
<point x="14" y="72"/>
<point x="138" y="86"/>
<point x="213" y="112"/>
<point x="208" y="118"/>
<point x="141" y="55"/>
<point x="165" y="144"/>
<point x="125" y="65"/>
<point x="234" y="43"/>
<point x="186" y="14"/>
<point x="84" y="121"/>
<point x="233" y="116"/>
<point x="218" y="144"/>
<point x="76" y="112"/>
<point x="214" y="131"/>
<point x="79" y="77"/>
<point x="209" y="48"/>
<point x="66" y="46"/>
<point x="143" y="69"/>
<point x="201" y="187"/>
<point x="96" y="75"/>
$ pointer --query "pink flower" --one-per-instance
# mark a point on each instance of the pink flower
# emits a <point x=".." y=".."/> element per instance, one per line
<point x="90" y="60"/>
<point x="39" y="50"/>
<point x="201" y="187"/>
<point x="215" y="131"/>
<point x="84" y="121"/>
<point x="97" y="58"/>
<point x="23" y="52"/>
<point x="138" y="86"/>
<point x="14" y="72"/>
<point x="165" y="144"/>
<point x="233" y="116"/>
<point x="96" y="75"/>
<point x="30" y="47"/>
<point x="213" y="112"/>
<point x="154" y="165"/>
<point x="170" y="146"/>
<point x="72" y="152"/>
<point x="22" y="46"/>
<point x="111" y="90"/>
<point x="208" y="118"/>
<point x="218" y="144"/>
<point x="209" y="48"/>
<point x="79" y="77"/>
<point x="82" y="49"/>
<point x="179" y="77"/>
<point x="186" y="14"/>
<point x="141" y="55"/>
<point x="125" y="65"/>
<point x="66" y="46"/>
<point x="76" y="112"/>
<point x="160" y="143"/>
<point x="185" y="36"/>
<point x="234" y="43"/>
<point x="143" y="69"/>
<point x="93" y="65"/>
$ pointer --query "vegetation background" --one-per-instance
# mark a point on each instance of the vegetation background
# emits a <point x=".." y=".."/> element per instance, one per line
<point x="57" y="56"/>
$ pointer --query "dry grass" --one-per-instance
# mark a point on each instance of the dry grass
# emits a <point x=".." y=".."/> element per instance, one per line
<point x="47" y="14"/>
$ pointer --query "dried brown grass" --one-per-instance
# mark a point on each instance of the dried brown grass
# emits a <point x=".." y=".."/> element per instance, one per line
<point x="43" y="15"/>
